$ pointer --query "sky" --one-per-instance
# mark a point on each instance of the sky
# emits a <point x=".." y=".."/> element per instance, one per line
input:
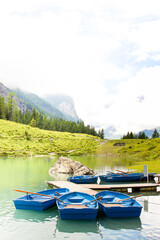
<point x="104" y="54"/>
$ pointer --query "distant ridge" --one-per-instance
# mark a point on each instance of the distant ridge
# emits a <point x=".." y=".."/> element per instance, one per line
<point x="6" y="92"/>
<point x="111" y="130"/>
<point x="65" y="104"/>
<point x="34" y="101"/>
<point x="56" y="106"/>
<point x="149" y="132"/>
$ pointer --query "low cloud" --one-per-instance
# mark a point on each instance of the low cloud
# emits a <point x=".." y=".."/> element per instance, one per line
<point x="105" y="55"/>
<point x="140" y="98"/>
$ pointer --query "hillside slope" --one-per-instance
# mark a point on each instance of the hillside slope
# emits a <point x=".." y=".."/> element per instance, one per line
<point x="22" y="140"/>
<point x="5" y="93"/>
<point x="55" y="106"/>
<point x="65" y="104"/>
<point x="135" y="153"/>
<point x="34" y="101"/>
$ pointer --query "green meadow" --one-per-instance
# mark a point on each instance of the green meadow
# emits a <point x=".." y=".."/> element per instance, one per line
<point x="22" y="140"/>
<point x="17" y="140"/>
<point x="135" y="154"/>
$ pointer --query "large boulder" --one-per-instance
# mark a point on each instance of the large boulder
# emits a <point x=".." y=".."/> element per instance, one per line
<point x="68" y="166"/>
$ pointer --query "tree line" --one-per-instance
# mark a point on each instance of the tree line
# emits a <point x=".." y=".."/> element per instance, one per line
<point x="141" y="135"/>
<point x="10" y="111"/>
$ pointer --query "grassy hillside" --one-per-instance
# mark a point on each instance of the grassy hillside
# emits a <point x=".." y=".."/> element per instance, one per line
<point x="136" y="152"/>
<point x="22" y="140"/>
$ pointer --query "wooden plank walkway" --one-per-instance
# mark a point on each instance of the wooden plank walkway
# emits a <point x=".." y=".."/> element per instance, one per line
<point x="158" y="176"/>
<point x="73" y="187"/>
<point x="91" y="188"/>
<point x="123" y="187"/>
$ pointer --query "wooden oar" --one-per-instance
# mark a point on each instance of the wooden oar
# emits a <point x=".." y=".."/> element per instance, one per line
<point x="119" y="200"/>
<point x="110" y="172"/>
<point x="93" y="175"/>
<point x="93" y="200"/>
<point x="38" y="194"/>
<point x="58" y="193"/>
<point x="96" y="199"/>
<point x="116" y="173"/>
<point x="123" y="172"/>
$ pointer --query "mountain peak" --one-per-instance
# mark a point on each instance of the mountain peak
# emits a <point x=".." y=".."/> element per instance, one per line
<point x="65" y="104"/>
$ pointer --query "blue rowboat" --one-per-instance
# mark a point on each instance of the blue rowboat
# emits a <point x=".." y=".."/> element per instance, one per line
<point x="115" y="204"/>
<point x="113" y="177"/>
<point x="77" y="205"/>
<point x="83" y="179"/>
<point x="39" y="201"/>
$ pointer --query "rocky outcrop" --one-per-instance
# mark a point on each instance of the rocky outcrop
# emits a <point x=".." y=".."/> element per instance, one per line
<point x="119" y="144"/>
<point x="65" y="104"/>
<point x="8" y="93"/>
<point x="68" y="166"/>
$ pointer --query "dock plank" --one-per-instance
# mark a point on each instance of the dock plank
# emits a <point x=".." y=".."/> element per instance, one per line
<point x="73" y="187"/>
<point x="158" y="176"/>
<point x="120" y="186"/>
<point x="92" y="188"/>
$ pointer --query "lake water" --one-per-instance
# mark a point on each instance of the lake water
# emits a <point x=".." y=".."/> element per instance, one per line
<point x="31" y="173"/>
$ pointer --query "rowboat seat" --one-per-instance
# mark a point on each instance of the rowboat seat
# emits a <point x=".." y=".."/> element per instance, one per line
<point x="75" y="206"/>
<point x="112" y="205"/>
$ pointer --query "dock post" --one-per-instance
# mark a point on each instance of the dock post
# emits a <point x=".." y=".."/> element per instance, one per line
<point x="146" y="171"/>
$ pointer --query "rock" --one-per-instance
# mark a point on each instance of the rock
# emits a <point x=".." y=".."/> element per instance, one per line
<point x="68" y="166"/>
<point x="119" y="144"/>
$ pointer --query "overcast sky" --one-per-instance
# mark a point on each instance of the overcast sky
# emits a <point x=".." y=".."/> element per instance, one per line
<point x="104" y="53"/>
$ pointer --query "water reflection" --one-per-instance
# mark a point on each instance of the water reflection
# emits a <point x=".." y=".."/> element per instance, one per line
<point x="120" y="223"/>
<point x="31" y="173"/>
<point x="68" y="226"/>
<point x="95" y="226"/>
<point x="59" y="176"/>
<point x="36" y="216"/>
<point x="78" y="226"/>
<point x="145" y="203"/>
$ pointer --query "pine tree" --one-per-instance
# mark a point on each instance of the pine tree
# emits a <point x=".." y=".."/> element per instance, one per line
<point x="2" y="108"/>
<point x="142" y="135"/>
<point x="10" y="107"/>
<point x="155" y="134"/>
<point x="27" y="117"/>
<point x="33" y="123"/>
<point x="16" y="115"/>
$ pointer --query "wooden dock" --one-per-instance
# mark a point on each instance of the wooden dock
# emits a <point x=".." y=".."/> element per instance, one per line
<point x="92" y="188"/>
<point x="73" y="187"/>
<point x="124" y="187"/>
<point x="157" y="176"/>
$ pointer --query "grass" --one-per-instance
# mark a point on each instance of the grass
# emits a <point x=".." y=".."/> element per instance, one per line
<point x="22" y="140"/>
<point x="18" y="140"/>
<point x="135" y="154"/>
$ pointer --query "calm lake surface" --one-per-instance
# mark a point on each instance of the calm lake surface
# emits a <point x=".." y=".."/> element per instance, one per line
<point x="31" y="173"/>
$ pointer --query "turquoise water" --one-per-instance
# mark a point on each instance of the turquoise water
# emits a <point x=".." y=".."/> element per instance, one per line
<point x="31" y="173"/>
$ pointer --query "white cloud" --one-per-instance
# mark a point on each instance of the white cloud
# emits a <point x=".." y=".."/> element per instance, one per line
<point x="66" y="46"/>
<point x="126" y="112"/>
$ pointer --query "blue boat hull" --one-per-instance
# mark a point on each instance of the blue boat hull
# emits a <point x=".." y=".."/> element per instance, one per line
<point x="114" y="212"/>
<point x="114" y="209"/>
<point x="83" y="179"/>
<point x="121" y="178"/>
<point x="77" y="205"/>
<point x="38" y="202"/>
<point x="37" y="205"/>
<point x="78" y="214"/>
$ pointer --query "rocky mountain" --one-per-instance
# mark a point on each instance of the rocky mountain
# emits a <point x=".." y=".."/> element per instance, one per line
<point x="110" y="132"/>
<point x="57" y="106"/>
<point x="34" y="101"/>
<point x="6" y="92"/>
<point x="64" y="104"/>
<point x="149" y="132"/>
